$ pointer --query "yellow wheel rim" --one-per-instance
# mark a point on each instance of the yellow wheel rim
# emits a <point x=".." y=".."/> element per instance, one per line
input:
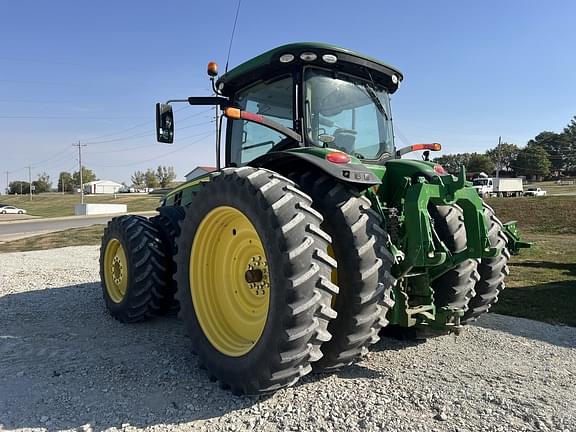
<point x="115" y="270"/>
<point x="229" y="281"/>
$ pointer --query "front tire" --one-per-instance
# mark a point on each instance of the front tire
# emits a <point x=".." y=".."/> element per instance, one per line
<point x="455" y="288"/>
<point x="254" y="280"/>
<point x="132" y="268"/>
<point x="492" y="271"/>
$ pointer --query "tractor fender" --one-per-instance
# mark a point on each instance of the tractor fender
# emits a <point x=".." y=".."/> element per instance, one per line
<point x="287" y="162"/>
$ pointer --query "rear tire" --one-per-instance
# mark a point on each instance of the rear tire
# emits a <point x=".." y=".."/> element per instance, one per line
<point x="492" y="271"/>
<point x="132" y="268"/>
<point x="363" y="275"/>
<point x="168" y="225"/>
<point x="254" y="210"/>
<point x="454" y="288"/>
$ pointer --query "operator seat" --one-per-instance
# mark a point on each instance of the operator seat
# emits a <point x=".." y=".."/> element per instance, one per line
<point x="345" y="139"/>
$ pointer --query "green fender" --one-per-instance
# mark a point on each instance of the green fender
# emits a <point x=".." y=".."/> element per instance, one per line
<point x="301" y="159"/>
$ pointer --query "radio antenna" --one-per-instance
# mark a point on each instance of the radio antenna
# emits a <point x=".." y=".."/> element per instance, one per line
<point x="232" y="36"/>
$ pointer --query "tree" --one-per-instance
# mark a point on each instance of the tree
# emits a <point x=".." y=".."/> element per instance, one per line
<point x="557" y="146"/>
<point x="165" y="175"/>
<point x="480" y="163"/>
<point x="43" y="184"/>
<point x="65" y="182"/>
<point x="138" y="179"/>
<point x="533" y="162"/>
<point x="453" y="162"/>
<point x="87" y="176"/>
<point x="19" y="187"/>
<point x="570" y="134"/>
<point x="150" y="179"/>
<point x="504" y="156"/>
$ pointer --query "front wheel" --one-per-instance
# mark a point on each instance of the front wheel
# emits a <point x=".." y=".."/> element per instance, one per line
<point x="455" y="288"/>
<point x="492" y="271"/>
<point x="253" y="280"/>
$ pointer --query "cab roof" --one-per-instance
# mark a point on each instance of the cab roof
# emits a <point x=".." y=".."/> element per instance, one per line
<point x="269" y="64"/>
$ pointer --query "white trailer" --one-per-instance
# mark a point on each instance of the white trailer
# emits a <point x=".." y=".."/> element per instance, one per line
<point x="488" y="186"/>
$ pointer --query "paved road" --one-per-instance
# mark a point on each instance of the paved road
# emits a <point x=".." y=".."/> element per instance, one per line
<point x="13" y="230"/>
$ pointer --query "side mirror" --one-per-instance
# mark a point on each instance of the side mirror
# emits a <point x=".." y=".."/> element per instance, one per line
<point x="164" y="123"/>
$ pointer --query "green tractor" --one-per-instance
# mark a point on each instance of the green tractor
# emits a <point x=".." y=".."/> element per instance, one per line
<point x="314" y="236"/>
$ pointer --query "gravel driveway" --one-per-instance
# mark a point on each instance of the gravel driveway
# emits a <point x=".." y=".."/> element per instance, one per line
<point x="65" y="364"/>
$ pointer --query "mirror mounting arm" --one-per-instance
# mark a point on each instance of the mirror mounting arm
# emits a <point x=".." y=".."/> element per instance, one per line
<point x="222" y="102"/>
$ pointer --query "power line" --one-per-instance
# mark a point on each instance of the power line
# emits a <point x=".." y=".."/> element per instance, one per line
<point x="53" y="157"/>
<point x="158" y="156"/>
<point x="143" y="134"/>
<point x="130" y="128"/>
<point x="144" y="145"/>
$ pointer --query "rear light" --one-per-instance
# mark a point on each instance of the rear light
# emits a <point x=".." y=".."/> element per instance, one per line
<point x="418" y="147"/>
<point x="338" y="158"/>
<point x="433" y="147"/>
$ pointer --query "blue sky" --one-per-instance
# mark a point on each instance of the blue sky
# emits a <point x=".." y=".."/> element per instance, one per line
<point x="92" y="71"/>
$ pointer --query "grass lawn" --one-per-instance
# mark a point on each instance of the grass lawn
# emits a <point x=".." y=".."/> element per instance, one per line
<point x="55" y="204"/>
<point x="542" y="281"/>
<point x="72" y="237"/>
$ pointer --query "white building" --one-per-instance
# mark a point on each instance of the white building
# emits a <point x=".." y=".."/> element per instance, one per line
<point x="198" y="171"/>
<point x="102" y="187"/>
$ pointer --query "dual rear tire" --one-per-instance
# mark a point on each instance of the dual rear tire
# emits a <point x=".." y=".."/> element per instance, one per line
<point x="253" y="280"/>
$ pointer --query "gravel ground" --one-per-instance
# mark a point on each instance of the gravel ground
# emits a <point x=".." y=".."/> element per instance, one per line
<point x="65" y="364"/>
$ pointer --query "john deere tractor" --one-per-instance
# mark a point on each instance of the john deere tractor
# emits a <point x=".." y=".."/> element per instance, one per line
<point x="314" y="236"/>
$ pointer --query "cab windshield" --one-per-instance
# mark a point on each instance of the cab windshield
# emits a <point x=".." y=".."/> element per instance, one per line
<point x="347" y="113"/>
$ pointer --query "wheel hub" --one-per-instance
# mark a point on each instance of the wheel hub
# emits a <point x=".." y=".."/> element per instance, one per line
<point x="117" y="270"/>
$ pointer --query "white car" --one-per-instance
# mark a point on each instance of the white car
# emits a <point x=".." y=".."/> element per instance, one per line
<point x="11" y="210"/>
<point x="535" y="192"/>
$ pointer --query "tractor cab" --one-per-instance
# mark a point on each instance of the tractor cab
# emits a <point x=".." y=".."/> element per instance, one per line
<point x="331" y="97"/>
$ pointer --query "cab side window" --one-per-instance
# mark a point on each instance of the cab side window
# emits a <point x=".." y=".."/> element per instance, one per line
<point x="273" y="100"/>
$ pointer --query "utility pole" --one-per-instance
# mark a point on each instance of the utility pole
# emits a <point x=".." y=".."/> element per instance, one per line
<point x="7" y="184"/>
<point x="80" y="171"/>
<point x="30" y="181"/>
<point x="499" y="158"/>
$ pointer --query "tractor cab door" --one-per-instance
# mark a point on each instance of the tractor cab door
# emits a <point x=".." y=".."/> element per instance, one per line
<point x="248" y="140"/>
